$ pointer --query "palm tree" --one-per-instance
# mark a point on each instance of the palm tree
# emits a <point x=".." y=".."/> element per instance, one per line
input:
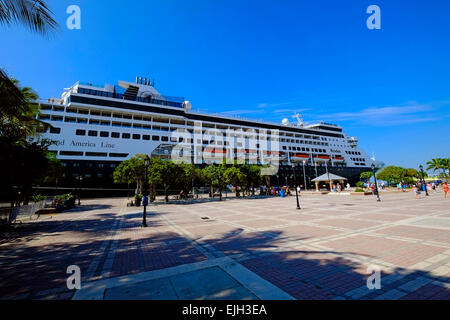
<point x="445" y="165"/>
<point x="33" y="14"/>
<point x="11" y="98"/>
<point x="15" y="102"/>
<point x="18" y="115"/>
<point x="435" y="165"/>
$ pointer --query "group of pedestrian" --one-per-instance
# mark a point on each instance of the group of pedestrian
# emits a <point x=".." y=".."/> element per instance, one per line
<point x="279" y="191"/>
<point x="430" y="188"/>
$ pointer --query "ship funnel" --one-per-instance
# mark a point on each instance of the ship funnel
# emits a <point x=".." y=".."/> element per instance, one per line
<point x="187" y="105"/>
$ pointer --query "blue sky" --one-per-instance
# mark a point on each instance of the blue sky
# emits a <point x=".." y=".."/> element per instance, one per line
<point x="264" y="60"/>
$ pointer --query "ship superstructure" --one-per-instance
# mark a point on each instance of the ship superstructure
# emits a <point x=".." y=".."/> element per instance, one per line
<point x="94" y="125"/>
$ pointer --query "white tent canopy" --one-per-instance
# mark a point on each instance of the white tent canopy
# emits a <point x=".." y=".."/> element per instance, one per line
<point x="328" y="177"/>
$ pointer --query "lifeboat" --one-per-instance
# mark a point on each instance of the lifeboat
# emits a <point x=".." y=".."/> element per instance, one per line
<point x="301" y="155"/>
<point x="215" y="150"/>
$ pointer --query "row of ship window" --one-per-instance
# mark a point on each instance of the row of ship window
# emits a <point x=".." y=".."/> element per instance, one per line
<point x="304" y="142"/>
<point x="90" y="165"/>
<point x="120" y="96"/>
<point x="117" y="135"/>
<point x="91" y="154"/>
<point x="354" y="153"/>
<point x="166" y="129"/>
<point x="304" y="149"/>
<point x="142" y="118"/>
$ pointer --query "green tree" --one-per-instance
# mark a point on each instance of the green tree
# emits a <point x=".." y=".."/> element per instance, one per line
<point x="235" y="177"/>
<point x="367" y="175"/>
<point x="393" y="174"/>
<point x="23" y="160"/>
<point x="188" y="173"/>
<point x="253" y="174"/>
<point x="131" y="171"/>
<point x="440" y="164"/>
<point x="213" y="176"/>
<point x="445" y="164"/>
<point x="123" y="174"/>
<point x="23" y="165"/>
<point x="435" y="165"/>
<point x="413" y="173"/>
<point x="19" y="110"/>
<point x="55" y="169"/>
<point x="165" y="173"/>
<point x="20" y="142"/>
<point x="35" y="15"/>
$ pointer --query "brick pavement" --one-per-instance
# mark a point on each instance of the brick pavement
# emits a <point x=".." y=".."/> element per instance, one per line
<point x="320" y="252"/>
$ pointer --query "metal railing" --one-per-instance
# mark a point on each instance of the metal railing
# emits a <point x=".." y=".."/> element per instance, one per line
<point x="27" y="212"/>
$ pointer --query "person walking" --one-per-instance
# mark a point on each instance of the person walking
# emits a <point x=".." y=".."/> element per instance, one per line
<point x="416" y="192"/>
<point x="445" y="186"/>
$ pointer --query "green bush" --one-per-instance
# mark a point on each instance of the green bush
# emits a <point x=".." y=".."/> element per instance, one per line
<point x="63" y="197"/>
<point x="38" y="198"/>
<point x="359" y="190"/>
<point x="360" y="184"/>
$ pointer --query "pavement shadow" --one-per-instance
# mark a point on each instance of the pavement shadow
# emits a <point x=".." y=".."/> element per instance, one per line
<point x="38" y="270"/>
<point x="304" y="274"/>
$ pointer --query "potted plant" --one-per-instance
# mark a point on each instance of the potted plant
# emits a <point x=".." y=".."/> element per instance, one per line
<point x="138" y="199"/>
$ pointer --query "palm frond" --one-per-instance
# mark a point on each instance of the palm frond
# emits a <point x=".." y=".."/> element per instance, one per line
<point x="12" y="101"/>
<point x="34" y="14"/>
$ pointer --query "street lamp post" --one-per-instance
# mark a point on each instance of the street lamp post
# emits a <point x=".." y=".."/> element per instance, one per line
<point x="304" y="175"/>
<point x="146" y="193"/>
<point x="326" y="167"/>
<point x="376" y="184"/>
<point x="315" y="167"/>
<point x="296" y="187"/>
<point x="423" y="180"/>
<point x="80" y="178"/>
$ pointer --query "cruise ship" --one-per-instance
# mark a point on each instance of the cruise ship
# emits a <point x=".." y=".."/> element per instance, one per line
<point x="93" y="128"/>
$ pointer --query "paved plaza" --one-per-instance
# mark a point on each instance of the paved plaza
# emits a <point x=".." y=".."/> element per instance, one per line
<point x="235" y="249"/>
